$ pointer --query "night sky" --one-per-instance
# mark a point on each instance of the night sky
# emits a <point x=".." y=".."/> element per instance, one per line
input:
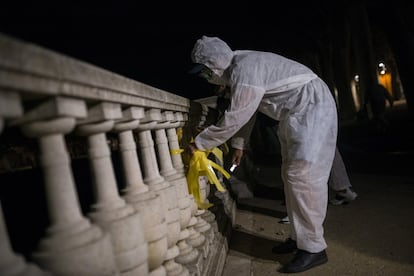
<point x="148" y="46"/>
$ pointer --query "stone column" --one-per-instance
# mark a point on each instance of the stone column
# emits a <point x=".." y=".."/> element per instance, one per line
<point x="138" y="194"/>
<point x="128" y="150"/>
<point x="160" y="186"/>
<point x="72" y="246"/>
<point x="202" y="225"/>
<point x="188" y="255"/>
<point x="11" y="263"/>
<point x="172" y="130"/>
<point x="198" y="224"/>
<point x="176" y="180"/>
<point x="193" y="239"/>
<point x="110" y="211"/>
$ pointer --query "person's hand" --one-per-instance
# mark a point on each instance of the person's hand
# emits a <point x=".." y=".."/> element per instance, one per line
<point x="191" y="148"/>
<point x="237" y="156"/>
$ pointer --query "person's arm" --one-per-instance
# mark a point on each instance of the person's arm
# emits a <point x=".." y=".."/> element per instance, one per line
<point x="244" y="103"/>
<point x="241" y="139"/>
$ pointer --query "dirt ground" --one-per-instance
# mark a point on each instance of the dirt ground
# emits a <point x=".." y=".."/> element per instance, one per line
<point x="374" y="235"/>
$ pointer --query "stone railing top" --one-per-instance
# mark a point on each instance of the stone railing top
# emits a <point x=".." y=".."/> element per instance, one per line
<point x="37" y="72"/>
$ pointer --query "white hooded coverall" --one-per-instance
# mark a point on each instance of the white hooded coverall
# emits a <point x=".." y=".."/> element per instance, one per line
<point x="292" y="94"/>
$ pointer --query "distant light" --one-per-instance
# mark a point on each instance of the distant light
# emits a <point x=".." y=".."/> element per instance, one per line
<point x="382" y="68"/>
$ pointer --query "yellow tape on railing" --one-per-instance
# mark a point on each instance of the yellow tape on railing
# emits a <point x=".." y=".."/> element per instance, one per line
<point x="217" y="153"/>
<point x="179" y="134"/>
<point x="176" y="151"/>
<point x="200" y="165"/>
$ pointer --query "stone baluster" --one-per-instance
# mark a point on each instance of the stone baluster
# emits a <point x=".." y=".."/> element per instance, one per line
<point x="206" y="223"/>
<point x="188" y="254"/>
<point x="11" y="263"/>
<point x="72" y="246"/>
<point x="194" y="238"/>
<point x="176" y="122"/>
<point x="110" y="211"/>
<point x="178" y="181"/>
<point x="136" y="193"/>
<point x="175" y="142"/>
<point x="206" y="215"/>
<point x="160" y="185"/>
<point x="203" y="226"/>
<point x="209" y="216"/>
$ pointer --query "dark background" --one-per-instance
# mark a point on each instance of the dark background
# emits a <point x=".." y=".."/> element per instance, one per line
<point x="151" y="42"/>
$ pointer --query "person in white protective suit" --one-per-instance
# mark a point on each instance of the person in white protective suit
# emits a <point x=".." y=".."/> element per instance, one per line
<point x="292" y="94"/>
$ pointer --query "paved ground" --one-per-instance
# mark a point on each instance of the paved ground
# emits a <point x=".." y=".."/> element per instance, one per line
<point x="373" y="235"/>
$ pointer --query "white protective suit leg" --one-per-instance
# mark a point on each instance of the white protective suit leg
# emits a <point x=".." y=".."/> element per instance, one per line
<point x="308" y="140"/>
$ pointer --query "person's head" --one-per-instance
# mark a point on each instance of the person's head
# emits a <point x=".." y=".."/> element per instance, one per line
<point x="202" y="71"/>
<point x="213" y="56"/>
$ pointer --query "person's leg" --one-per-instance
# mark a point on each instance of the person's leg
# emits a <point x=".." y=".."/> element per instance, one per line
<point x="311" y="133"/>
<point x="338" y="179"/>
<point x="339" y="182"/>
<point x="310" y="148"/>
<point x="283" y="152"/>
<point x="307" y="194"/>
<point x="289" y="245"/>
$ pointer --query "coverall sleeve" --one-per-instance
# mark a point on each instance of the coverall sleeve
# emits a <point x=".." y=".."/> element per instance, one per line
<point x="242" y="137"/>
<point x="244" y="103"/>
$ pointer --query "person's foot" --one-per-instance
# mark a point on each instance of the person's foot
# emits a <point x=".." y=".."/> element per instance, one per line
<point x="288" y="246"/>
<point x="305" y="260"/>
<point x="285" y="220"/>
<point x="343" y="197"/>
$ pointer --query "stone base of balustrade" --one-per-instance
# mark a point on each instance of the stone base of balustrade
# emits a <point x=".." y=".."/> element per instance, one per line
<point x="196" y="268"/>
<point x="214" y="264"/>
<point x="224" y="211"/>
<point x="92" y="258"/>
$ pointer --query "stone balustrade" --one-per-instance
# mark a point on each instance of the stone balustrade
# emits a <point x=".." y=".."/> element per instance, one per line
<point x="126" y="209"/>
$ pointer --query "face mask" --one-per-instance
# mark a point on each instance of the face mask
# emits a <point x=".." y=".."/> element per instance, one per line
<point x="212" y="77"/>
<point x="205" y="73"/>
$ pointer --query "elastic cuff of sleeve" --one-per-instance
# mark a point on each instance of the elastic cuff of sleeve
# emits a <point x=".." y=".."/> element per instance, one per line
<point x="237" y="143"/>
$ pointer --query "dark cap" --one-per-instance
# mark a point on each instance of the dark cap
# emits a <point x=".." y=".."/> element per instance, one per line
<point x="197" y="68"/>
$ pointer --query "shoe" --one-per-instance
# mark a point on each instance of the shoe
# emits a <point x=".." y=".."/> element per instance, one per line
<point x="288" y="246"/>
<point x="305" y="260"/>
<point x="285" y="220"/>
<point x="343" y="197"/>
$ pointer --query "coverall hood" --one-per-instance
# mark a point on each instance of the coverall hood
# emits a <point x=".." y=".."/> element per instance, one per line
<point x="213" y="53"/>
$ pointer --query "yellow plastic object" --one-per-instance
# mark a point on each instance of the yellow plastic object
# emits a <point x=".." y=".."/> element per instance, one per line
<point x="176" y="151"/>
<point x="179" y="134"/>
<point x="200" y="165"/>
